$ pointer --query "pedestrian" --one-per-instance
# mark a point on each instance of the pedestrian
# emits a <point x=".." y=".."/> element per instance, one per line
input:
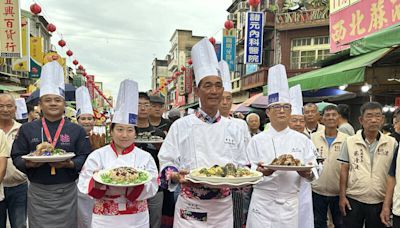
<point x="344" y="115"/>
<point x="396" y="125"/>
<point x="275" y="202"/>
<point x="4" y="155"/>
<point x="52" y="195"/>
<point x="156" y="112"/>
<point x="312" y="117"/>
<point x="173" y="115"/>
<point x="202" y="139"/>
<point x="15" y="182"/>
<point x="297" y="123"/>
<point x="326" y="188"/>
<point x="143" y="126"/>
<point x="120" y="206"/>
<point x="366" y="158"/>
<point x="253" y="123"/>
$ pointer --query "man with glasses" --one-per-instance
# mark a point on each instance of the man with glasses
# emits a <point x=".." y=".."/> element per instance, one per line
<point x="366" y="158"/>
<point x="312" y="116"/>
<point x="275" y="200"/>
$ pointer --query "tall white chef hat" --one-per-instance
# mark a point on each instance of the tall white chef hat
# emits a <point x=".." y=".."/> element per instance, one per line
<point x="296" y="100"/>
<point x="205" y="62"/>
<point x="226" y="76"/>
<point x="278" y="88"/>
<point x="52" y="79"/>
<point x="22" y="110"/>
<point x="83" y="101"/>
<point x="126" y="110"/>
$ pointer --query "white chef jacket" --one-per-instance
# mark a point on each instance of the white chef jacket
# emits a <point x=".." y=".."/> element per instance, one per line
<point x="192" y="143"/>
<point x="243" y="127"/>
<point x="274" y="201"/>
<point x="107" y="158"/>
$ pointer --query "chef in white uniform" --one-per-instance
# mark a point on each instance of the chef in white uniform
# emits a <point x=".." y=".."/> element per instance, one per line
<point x="275" y="202"/>
<point x="202" y="139"/>
<point x="120" y="206"/>
<point x="306" y="215"/>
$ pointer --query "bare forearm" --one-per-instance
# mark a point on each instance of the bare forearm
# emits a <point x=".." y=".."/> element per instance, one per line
<point x="391" y="182"/>
<point x="344" y="173"/>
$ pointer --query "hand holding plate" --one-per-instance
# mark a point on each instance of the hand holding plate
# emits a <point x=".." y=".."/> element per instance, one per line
<point x="264" y="171"/>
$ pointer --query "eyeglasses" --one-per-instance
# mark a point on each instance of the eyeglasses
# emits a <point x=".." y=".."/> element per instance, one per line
<point x="144" y="105"/>
<point x="277" y="107"/>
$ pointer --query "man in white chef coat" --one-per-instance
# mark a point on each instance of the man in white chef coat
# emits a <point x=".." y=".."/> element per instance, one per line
<point x="275" y="201"/>
<point x="202" y="139"/>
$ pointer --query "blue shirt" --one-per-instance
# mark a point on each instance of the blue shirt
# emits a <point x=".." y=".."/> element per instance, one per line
<point x="330" y="140"/>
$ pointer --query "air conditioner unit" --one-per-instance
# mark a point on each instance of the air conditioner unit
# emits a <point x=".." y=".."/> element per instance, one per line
<point x="232" y="17"/>
<point x="243" y="6"/>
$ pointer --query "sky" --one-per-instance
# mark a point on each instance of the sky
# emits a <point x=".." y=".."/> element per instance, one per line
<point x="116" y="40"/>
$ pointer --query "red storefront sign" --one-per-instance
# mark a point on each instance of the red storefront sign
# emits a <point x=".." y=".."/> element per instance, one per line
<point x="360" y="19"/>
<point x="188" y="80"/>
<point x="179" y="100"/>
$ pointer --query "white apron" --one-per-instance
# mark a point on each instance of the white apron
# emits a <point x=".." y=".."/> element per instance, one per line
<point x="192" y="143"/>
<point x="280" y="213"/>
<point x="306" y="214"/>
<point x="109" y="211"/>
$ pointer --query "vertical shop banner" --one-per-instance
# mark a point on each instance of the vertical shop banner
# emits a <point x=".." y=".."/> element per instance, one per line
<point x="10" y="29"/>
<point x="188" y="80"/>
<point x="254" y="37"/>
<point x="181" y="85"/>
<point x="90" y="85"/>
<point x="217" y="47"/>
<point x="353" y="20"/>
<point x="36" y="56"/>
<point x="229" y="47"/>
<point x="163" y="91"/>
<point x="23" y="64"/>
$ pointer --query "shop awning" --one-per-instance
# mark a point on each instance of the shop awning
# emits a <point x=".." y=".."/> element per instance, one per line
<point x="346" y="72"/>
<point x="11" y="88"/>
<point x="389" y="37"/>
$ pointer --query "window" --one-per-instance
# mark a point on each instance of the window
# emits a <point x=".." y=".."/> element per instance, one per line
<point x="308" y="50"/>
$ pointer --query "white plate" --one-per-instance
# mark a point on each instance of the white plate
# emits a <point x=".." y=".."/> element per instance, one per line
<point x="53" y="158"/>
<point x="149" y="141"/>
<point x="222" y="184"/>
<point x="225" y="180"/>
<point x="97" y="178"/>
<point x="289" y="168"/>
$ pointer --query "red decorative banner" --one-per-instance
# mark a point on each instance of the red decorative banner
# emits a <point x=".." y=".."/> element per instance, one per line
<point x="188" y="80"/>
<point x="361" y="19"/>
<point x="90" y="85"/>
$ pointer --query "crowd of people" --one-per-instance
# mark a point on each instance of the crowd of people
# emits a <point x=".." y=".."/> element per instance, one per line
<point x="352" y="182"/>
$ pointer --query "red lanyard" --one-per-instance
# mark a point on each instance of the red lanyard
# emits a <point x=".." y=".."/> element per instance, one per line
<point x="47" y="132"/>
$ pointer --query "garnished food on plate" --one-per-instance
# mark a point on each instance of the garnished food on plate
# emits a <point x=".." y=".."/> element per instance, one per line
<point x="46" y="149"/>
<point x="229" y="170"/>
<point x="124" y="176"/>
<point x="286" y="160"/>
<point x="147" y="136"/>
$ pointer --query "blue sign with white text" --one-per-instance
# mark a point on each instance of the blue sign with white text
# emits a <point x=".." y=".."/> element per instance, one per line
<point x="218" y="51"/>
<point x="254" y="37"/>
<point x="229" y="50"/>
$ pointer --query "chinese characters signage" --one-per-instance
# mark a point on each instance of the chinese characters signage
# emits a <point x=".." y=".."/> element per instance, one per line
<point x="229" y="48"/>
<point x="181" y="85"/>
<point x="23" y="64"/>
<point x="163" y="91"/>
<point x="10" y="29"/>
<point x="361" y="19"/>
<point x="254" y="37"/>
<point x="36" y="52"/>
<point x="188" y="80"/>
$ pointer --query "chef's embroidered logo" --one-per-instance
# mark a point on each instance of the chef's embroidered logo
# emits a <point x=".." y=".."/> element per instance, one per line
<point x="65" y="138"/>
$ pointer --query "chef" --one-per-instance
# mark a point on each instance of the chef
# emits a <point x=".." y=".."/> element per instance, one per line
<point x="51" y="195"/>
<point x="202" y="139"/>
<point x="85" y="117"/>
<point x="240" y="206"/>
<point x="120" y="206"/>
<point x="275" y="202"/>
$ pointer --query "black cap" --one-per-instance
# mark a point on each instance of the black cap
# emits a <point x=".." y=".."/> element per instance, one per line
<point x="156" y="100"/>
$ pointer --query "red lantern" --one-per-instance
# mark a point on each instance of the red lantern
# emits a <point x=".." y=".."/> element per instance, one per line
<point x="80" y="67"/>
<point x="190" y="62"/>
<point x="35" y="9"/>
<point x="84" y="74"/>
<point x="62" y="43"/>
<point x="75" y="62"/>
<point x="54" y="57"/>
<point x="34" y="70"/>
<point x="254" y="3"/>
<point x="69" y="53"/>
<point x="228" y="24"/>
<point x="183" y="68"/>
<point x="51" y="28"/>
<point x="212" y="40"/>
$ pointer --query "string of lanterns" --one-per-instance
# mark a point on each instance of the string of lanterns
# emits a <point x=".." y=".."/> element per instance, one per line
<point x="36" y="9"/>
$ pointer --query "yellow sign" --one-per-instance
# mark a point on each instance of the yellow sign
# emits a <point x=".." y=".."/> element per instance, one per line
<point x="51" y="56"/>
<point x="23" y="64"/>
<point x="10" y="29"/>
<point x="164" y="90"/>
